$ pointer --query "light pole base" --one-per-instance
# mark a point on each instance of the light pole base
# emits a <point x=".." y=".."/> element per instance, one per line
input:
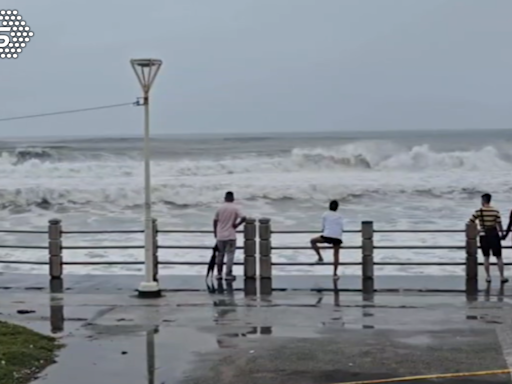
<point x="149" y="291"/>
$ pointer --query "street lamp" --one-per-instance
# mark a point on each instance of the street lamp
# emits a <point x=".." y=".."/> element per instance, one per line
<point x="146" y="71"/>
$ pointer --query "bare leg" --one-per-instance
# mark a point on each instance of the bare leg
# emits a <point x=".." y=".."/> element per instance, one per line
<point x="487" y="268"/>
<point x="314" y="244"/>
<point x="336" y="254"/>
<point x="501" y="268"/>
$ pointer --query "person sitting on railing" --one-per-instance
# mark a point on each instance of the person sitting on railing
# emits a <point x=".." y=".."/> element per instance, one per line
<point x="489" y="221"/>
<point x="227" y="219"/>
<point x="332" y="231"/>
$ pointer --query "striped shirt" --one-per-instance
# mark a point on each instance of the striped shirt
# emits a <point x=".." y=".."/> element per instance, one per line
<point x="487" y="217"/>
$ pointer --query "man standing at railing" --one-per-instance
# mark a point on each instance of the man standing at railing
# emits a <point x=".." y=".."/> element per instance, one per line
<point x="227" y="219"/>
<point x="489" y="220"/>
<point x="332" y="231"/>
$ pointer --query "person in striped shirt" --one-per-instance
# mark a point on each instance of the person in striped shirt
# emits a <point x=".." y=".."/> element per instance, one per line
<point x="491" y="229"/>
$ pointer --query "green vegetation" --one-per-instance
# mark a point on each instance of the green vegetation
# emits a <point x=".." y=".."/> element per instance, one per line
<point x="24" y="353"/>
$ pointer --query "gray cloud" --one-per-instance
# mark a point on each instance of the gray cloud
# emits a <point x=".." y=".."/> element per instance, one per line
<point x="266" y="65"/>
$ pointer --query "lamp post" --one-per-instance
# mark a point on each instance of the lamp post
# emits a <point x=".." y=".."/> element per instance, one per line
<point x="146" y="71"/>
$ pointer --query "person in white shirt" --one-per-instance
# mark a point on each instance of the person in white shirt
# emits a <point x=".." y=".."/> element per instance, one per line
<point x="332" y="231"/>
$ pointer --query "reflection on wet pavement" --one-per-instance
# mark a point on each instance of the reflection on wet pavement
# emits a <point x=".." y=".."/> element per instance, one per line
<point x="225" y="336"/>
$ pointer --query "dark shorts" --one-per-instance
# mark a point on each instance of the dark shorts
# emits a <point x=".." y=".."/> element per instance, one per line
<point x="332" y="240"/>
<point x="491" y="244"/>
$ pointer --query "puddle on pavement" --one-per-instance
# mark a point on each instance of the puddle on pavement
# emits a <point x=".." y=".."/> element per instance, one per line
<point x="156" y="355"/>
<point x="416" y="340"/>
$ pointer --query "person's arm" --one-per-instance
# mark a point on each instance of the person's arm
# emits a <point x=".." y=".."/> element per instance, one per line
<point x="509" y="227"/>
<point x="215" y="222"/>
<point x="323" y="223"/>
<point x="473" y="218"/>
<point x="241" y="219"/>
<point x="498" y="223"/>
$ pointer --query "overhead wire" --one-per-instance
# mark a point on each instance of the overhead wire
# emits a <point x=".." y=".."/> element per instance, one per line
<point x="136" y="103"/>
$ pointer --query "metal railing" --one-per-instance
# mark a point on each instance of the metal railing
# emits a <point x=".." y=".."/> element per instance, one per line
<point x="253" y="233"/>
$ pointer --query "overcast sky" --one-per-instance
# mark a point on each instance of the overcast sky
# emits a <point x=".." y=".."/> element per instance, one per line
<point x="262" y="65"/>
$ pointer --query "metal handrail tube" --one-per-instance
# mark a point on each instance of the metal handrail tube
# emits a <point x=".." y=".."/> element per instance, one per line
<point x="93" y="262"/>
<point x="201" y="263"/>
<point x="106" y="232"/>
<point x="307" y="231"/>
<point x="86" y="247"/>
<point x="209" y="247"/>
<point x="192" y="231"/>
<point x="12" y="246"/>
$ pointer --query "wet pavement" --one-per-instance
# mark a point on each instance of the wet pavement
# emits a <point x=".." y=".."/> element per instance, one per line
<point x="124" y="283"/>
<point x="291" y="337"/>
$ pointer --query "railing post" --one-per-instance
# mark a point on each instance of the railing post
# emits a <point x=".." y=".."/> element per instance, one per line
<point x="250" y="248"/>
<point x="155" y="249"/>
<point x="250" y="256"/>
<point x="265" y="247"/>
<point x="471" y="259"/>
<point x="56" y="313"/>
<point x="367" y="257"/>
<point x="55" y="248"/>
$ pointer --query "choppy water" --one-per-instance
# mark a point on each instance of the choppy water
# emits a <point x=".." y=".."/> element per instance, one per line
<point x="398" y="179"/>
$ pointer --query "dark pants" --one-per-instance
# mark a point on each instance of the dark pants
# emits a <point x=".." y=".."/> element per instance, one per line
<point x="490" y="242"/>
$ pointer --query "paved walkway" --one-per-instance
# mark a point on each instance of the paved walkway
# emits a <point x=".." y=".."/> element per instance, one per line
<point x="292" y="337"/>
<point x="125" y="283"/>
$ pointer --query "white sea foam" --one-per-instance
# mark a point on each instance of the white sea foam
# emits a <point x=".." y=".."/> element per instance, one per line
<point x="354" y="170"/>
<point x="395" y="185"/>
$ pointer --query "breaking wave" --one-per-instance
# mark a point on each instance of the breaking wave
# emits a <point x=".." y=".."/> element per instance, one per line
<point x="50" y="178"/>
<point x="55" y="154"/>
<point x="389" y="156"/>
<point x="25" y="154"/>
<point x="166" y="195"/>
<point x="375" y="155"/>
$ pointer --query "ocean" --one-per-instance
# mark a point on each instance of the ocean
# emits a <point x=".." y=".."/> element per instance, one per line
<point x="400" y="180"/>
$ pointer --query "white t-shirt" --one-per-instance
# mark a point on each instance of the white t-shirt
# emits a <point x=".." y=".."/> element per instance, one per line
<point x="332" y="224"/>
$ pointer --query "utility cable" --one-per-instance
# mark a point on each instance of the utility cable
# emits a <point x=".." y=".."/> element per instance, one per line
<point x="136" y="103"/>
